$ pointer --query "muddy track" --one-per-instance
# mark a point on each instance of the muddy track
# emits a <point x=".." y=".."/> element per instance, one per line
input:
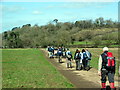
<point x="77" y="80"/>
<point x="80" y="79"/>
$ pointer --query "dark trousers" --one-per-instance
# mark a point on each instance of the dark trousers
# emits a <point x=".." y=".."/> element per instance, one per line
<point x="59" y="59"/>
<point x="110" y="74"/>
<point x="85" y="63"/>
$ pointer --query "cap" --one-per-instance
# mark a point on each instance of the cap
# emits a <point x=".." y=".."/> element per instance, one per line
<point x="105" y="49"/>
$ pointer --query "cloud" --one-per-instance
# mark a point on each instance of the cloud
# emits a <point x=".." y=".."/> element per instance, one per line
<point x="36" y="12"/>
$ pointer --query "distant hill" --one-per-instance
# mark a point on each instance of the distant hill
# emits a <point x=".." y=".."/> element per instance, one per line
<point x="98" y="32"/>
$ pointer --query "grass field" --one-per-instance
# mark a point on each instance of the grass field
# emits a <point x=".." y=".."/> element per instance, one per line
<point x="82" y="43"/>
<point x="96" y="53"/>
<point x="28" y="68"/>
<point x="91" y="43"/>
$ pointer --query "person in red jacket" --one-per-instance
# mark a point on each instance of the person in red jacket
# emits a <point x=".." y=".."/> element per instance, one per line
<point x="104" y="70"/>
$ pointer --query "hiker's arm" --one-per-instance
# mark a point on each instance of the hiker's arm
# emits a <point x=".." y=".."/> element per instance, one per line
<point x="99" y="65"/>
<point x="81" y="56"/>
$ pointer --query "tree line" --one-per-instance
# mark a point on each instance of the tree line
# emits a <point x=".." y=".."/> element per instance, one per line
<point x="57" y="33"/>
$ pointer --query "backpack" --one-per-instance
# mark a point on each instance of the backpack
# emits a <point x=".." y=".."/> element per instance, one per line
<point x="60" y="53"/>
<point x="85" y="57"/>
<point x="110" y="61"/>
<point x="50" y="49"/>
<point x="78" y="56"/>
<point x="69" y="55"/>
<point x="89" y="55"/>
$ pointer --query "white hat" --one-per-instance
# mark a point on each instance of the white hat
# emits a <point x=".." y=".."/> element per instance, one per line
<point x="105" y="49"/>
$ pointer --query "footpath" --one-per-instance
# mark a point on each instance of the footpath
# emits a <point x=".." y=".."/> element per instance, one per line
<point x="81" y="79"/>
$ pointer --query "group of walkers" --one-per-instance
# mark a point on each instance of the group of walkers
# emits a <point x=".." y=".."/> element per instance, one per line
<point x="82" y="58"/>
<point x="106" y="63"/>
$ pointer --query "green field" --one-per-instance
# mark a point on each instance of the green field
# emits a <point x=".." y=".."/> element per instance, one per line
<point x="96" y="53"/>
<point x="82" y="43"/>
<point x="91" y="43"/>
<point x="28" y="68"/>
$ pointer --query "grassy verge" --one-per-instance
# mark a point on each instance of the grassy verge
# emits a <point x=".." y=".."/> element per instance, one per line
<point x="28" y="68"/>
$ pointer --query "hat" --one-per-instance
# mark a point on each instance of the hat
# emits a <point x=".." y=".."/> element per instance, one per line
<point x="105" y="49"/>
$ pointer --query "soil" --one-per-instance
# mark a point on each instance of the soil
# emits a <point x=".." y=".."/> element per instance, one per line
<point x="81" y="78"/>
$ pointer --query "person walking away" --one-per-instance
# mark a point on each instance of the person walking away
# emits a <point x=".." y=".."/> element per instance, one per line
<point x="59" y="54"/>
<point x="78" y="60"/>
<point x="106" y="67"/>
<point x="84" y="59"/>
<point x="47" y="48"/>
<point x="89" y="58"/>
<point x="69" y="59"/>
<point x="64" y="52"/>
<point x="50" y="52"/>
<point x="55" y="52"/>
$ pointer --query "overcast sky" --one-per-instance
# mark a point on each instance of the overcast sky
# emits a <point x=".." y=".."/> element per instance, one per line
<point x="16" y="14"/>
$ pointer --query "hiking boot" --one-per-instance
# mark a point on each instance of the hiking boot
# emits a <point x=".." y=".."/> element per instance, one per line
<point x="112" y="86"/>
<point x="103" y="86"/>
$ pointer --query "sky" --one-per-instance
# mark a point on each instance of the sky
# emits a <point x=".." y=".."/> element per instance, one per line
<point x="16" y="14"/>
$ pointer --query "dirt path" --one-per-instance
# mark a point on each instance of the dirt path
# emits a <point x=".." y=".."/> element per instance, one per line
<point x="81" y="79"/>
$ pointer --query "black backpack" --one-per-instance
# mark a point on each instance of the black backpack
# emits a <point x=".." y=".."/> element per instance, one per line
<point x="78" y="56"/>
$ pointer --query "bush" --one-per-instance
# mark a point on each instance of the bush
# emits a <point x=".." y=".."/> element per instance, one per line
<point x="96" y="41"/>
